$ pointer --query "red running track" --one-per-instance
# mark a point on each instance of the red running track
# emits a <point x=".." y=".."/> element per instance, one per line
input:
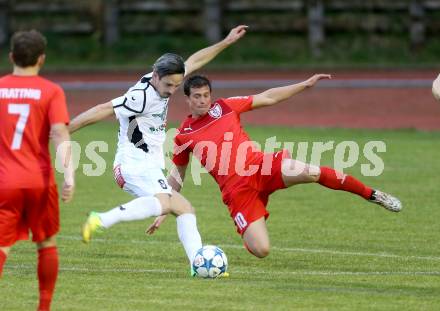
<point x="387" y="108"/>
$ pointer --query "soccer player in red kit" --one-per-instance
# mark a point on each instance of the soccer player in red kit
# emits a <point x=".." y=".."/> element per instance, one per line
<point x="247" y="176"/>
<point x="32" y="109"/>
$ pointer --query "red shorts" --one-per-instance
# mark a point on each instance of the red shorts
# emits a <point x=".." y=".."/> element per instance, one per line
<point x="34" y="209"/>
<point x="247" y="196"/>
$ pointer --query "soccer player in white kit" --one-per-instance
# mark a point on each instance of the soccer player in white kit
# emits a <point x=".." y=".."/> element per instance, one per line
<point x="139" y="159"/>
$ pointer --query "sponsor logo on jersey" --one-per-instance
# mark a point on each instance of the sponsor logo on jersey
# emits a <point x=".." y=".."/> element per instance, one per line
<point x="161" y="115"/>
<point x="216" y="111"/>
<point x="158" y="129"/>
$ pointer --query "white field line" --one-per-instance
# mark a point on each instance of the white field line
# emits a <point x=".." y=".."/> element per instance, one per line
<point x="275" y="248"/>
<point x="235" y="271"/>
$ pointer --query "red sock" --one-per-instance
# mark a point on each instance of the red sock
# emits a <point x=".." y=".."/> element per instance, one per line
<point x="335" y="180"/>
<point x="3" y="257"/>
<point x="47" y="275"/>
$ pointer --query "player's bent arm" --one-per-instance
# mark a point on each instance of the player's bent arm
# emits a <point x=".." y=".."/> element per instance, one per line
<point x="275" y="95"/>
<point x="204" y="56"/>
<point x="60" y="136"/>
<point x="177" y="176"/>
<point x="93" y="115"/>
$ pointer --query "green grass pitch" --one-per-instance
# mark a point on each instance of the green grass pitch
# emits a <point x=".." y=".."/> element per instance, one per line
<point x="330" y="250"/>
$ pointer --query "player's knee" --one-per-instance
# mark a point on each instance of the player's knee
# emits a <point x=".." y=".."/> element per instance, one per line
<point x="308" y="172"/>
<point x="183" y="208"/>
<point x="259" y="251"/>
<point x="180" y="205"/>
<point x="165" y="203"/>
<point x="188" y="208"/>
<point x="262" y="251"/>
<point x="312" y="172"/>
<point x="297" y="172"/>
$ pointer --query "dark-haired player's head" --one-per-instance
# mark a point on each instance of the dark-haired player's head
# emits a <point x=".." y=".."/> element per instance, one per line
<point x="28" y="48"/>
<point x="198" y="94"/>
<point x="195" y="82"/>
<point x="168" y="73"/>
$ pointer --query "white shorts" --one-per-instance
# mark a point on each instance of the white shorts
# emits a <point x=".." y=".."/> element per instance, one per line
<point x="141" y="182"/>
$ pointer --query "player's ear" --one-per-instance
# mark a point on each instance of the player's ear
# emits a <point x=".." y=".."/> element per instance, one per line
<point x="155" y="76"/>
<point x="41" y="60"/>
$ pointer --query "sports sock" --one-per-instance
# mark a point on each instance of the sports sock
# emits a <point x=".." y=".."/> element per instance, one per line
<point x="3" y="257"/>
<point x="333" y="179"/>
<point x="47" y="275"/>
<point x="136" y="209"/>
<point x="189" y="236"/>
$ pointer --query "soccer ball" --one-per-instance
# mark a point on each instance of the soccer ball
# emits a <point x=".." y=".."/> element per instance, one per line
<point x="210" y="262"/>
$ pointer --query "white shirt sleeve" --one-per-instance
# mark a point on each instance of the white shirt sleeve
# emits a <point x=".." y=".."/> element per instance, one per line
<point x="131" y="104"/>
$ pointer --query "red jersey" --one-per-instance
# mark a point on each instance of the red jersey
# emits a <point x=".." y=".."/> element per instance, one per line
<point x="29" y="105"/>
<point x="218" y="140"/>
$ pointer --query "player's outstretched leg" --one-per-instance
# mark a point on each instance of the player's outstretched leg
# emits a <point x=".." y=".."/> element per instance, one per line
<point x="338" y="181"/>
<point x="296" y="172"/>
<point x="137" y="209"/>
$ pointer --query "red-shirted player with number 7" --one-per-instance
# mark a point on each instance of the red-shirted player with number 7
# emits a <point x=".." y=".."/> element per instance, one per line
<point x="32" y="109"/>
<point x="247" y="176"/>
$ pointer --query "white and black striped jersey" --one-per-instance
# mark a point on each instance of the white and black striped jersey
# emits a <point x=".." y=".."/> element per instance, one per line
<point x="142" y="116"/>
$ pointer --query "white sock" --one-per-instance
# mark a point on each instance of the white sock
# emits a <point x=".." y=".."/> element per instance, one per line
<point x="189" y="236"/>
<point x="136" y="209"/>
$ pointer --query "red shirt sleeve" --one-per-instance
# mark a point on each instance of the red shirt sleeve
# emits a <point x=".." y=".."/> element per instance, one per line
<point x="181" y="153"/>
<point x="239" y="103"/>
<point x="57" y="107"/>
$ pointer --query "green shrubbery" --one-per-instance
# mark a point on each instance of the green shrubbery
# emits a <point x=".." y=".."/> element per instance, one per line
<point x="257" y="51"/>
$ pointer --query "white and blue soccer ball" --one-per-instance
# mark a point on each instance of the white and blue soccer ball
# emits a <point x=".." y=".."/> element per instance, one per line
<point x="210" y="262"/>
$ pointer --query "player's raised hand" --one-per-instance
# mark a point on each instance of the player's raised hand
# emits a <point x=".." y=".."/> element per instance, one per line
<point x="155" y="225"/>
<point x="67" y="192"/>
<point x="315" y="78"/>
<point x="235" y="34"/>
